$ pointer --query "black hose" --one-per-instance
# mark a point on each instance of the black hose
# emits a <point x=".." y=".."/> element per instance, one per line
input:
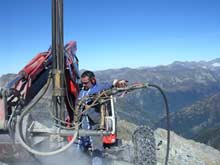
<point x="26" y="110"/>
<point x="168" y="120"/>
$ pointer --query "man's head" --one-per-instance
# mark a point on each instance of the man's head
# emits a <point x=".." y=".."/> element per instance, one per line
<point x="88" y="79"/>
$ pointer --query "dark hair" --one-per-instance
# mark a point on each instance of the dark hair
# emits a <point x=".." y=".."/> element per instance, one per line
<point x="88" y="73"/>
<point x="91" y="76"/>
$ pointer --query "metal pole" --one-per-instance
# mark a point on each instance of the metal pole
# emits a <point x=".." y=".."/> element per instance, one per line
<point x="61" y="59"/>
<point x="58" y="59"/>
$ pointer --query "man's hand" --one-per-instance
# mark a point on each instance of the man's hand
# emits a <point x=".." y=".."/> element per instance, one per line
<point x="120" y="83"/>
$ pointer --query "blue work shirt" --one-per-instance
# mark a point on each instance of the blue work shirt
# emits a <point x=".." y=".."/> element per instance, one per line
<point x="94" y="89"/>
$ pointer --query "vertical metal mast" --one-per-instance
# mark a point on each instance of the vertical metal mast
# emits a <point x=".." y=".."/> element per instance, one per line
<point x="58" y="59"/>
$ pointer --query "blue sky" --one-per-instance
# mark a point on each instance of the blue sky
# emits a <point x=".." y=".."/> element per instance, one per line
<point x="113" y="33"/>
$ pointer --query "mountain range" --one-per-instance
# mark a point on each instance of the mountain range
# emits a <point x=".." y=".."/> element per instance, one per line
<point x="193" y="92"/>
<point x="192" y="89"/>
<point x="184" y="83"/>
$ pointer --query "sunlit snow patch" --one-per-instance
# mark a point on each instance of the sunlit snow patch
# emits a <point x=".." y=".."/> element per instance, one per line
<point x="216" y="64"/>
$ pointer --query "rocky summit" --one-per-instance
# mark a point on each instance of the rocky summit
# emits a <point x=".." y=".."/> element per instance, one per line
<point x="184" y="151"/>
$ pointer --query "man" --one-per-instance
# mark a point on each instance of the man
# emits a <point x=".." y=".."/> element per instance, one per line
<point x="90" y="86"/>
<point x="91" y="118"/>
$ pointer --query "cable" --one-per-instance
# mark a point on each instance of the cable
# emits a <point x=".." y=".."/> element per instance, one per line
<point x="26" y="110"/>
<point x="146" y="85"/>
<point x="168" y="120"/>
<point x="114" y="91"/>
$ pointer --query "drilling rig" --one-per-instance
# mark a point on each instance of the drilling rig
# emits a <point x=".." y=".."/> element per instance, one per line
<point x="53" y="76"/>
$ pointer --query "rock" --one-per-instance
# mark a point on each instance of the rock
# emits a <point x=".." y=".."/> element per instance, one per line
<point x="184" y="151"/>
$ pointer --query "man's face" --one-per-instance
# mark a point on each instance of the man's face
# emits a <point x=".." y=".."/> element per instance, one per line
<point x="86" y="82"/>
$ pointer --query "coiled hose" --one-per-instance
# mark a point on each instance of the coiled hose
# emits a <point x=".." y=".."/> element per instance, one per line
<point x="26" y="110"/>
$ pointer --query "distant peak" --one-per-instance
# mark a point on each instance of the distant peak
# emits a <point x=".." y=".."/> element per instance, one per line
<point x="217" y="60"/>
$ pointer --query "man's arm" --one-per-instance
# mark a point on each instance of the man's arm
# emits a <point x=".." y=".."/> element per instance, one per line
<point x="104" y="86"/>
<point x="100" y="87"/>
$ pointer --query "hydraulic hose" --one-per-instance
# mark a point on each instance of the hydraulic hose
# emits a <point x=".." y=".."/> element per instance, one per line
<point x="26" y="110"/>
<point x="168" y="120"/>
<point x="114" y="91"/>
